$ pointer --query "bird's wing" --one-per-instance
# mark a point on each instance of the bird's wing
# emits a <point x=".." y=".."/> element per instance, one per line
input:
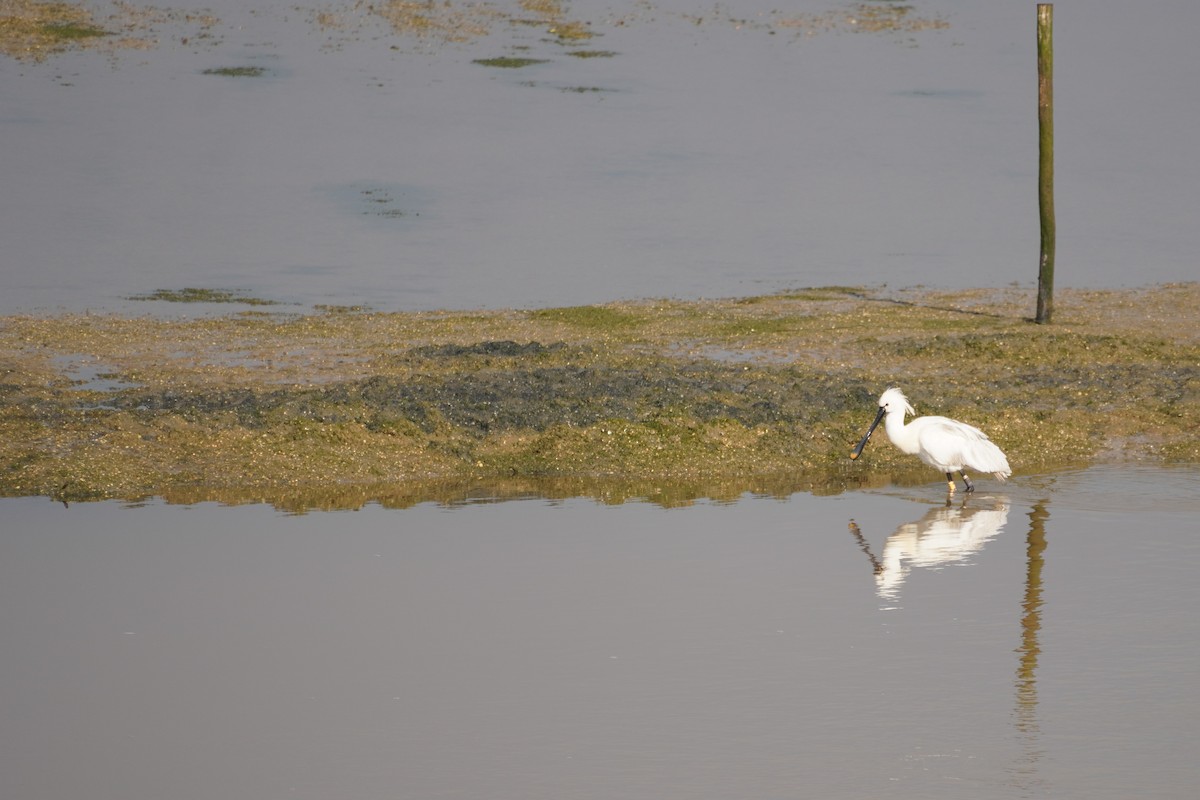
<point x="956" y="444"/>
<point x="947" y="441"/>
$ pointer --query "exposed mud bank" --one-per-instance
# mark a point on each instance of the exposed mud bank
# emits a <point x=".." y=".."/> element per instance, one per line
<point x="753" y="394"/>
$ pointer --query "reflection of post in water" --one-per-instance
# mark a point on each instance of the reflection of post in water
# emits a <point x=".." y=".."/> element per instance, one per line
<point x="1025" y="770"/>
<point x="943" y="536"/>
<point x="1031" y="622"/>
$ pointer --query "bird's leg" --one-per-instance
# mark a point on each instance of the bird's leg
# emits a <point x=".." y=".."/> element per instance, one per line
<point x="967" y="481"/>
<point x="950" y="483"/>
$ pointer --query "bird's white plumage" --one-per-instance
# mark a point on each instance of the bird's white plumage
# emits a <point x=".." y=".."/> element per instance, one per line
<point x="943" y="443"/>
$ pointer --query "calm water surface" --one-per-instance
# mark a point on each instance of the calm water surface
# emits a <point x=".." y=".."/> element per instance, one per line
<point x="716" y="153"/>
<point x="1040" y="641"/>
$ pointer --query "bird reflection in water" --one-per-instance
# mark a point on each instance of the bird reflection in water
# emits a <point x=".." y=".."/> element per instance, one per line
<point x="945" y="535"/>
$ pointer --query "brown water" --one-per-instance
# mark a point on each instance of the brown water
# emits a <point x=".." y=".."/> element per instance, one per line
<point x="717" y="153"/>
<point x="1038" y="641"/>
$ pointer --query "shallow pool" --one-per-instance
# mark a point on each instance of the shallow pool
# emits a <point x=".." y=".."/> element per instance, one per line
<point x="1037" y="640"/>
<point x="713" y="150"/>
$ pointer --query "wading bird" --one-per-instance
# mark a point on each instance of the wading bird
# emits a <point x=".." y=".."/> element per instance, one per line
<point x="945" y="444"/>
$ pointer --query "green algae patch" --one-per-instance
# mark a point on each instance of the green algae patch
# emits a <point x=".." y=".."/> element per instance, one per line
<point x="337" y="406"/>
<point x="71" y="30"/>
<point x="596" y="318"/>
<point x="508" y="62"/>
<point x="198" y="295"/>
<point x="236" y="72"/>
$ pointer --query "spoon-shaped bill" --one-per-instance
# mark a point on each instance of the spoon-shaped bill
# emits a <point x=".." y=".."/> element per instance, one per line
<point x="857" y="451"/>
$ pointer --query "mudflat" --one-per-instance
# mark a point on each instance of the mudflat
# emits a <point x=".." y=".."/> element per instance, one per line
<point x="739" y="393"/>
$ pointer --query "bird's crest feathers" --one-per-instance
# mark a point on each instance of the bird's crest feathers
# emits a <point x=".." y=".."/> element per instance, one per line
<point x="893" y="399"/>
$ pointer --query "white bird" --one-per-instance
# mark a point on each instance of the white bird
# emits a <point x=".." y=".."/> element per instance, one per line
<point x="946" y="444"/>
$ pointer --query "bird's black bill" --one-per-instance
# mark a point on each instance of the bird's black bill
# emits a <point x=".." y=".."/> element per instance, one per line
<point x="857" y="451"/>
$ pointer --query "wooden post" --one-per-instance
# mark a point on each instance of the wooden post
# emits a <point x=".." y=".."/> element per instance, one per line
<point x="1045" y="62"/>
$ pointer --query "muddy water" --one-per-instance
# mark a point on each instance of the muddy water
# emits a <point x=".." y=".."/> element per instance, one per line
<point x="1038" y="641"/>
<point x="716" y="153"/>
